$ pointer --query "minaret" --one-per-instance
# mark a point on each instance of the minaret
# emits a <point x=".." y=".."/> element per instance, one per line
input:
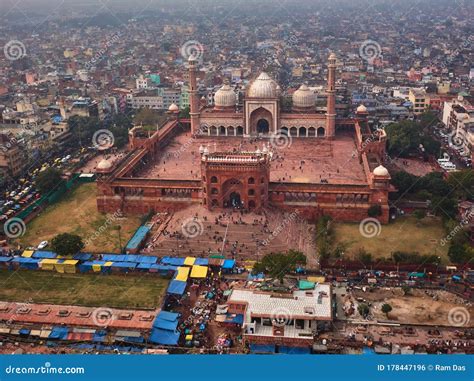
<point x="193" y="95"/>
<point x="331" y="102"/>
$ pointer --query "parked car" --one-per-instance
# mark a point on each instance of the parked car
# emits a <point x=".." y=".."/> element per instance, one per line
<point x="42" y="245"/>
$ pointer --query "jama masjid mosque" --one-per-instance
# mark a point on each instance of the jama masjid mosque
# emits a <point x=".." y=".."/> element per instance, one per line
<point x="253" y="157"/>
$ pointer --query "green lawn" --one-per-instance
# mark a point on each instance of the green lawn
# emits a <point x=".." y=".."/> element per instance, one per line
<point x="405" y="234"/>
<point x="121" y="291"/>
<point x="77" y="213"/>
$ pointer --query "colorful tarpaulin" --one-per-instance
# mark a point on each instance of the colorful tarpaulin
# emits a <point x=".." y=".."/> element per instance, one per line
<point x="66" y="266"/>
<point x="199" y="272"/>
<point x="317" y="279"/>
<point x="176" y="287"/>
<point x="48" y="264"/>
<point x="27" y="253"/>
<point x="82" y="256"/>
<point x="138" y="238"/>
<point x="96" y="268"/>
<point x="182" y="274"/>
<point x="228" y="264"/>
<point x="201" y="261"/>
<point x="59" y="333"/>
<point x="305" y="285"/>
<point x="172" y="261"/>
<point x="261" y="348"/>
<point x="164" y="337"/>
<point x="44" y="254"/>
<point x="164" y="329"/>
<point x="189" y="261"/>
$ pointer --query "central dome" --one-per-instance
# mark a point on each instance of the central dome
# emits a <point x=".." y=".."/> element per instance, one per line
<point x="225" y="97"/>
<point x="263" y="87"/>
<point x="304" y="97"/>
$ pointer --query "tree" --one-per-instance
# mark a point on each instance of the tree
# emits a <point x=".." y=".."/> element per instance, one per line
<point x="147" y="117"/>
<point x="406" y="290"/>
<point x="364" y="257"/>
<point x="460" y="254"/>
<point x="405" y="137"/>
<point x="419" y="215"/>
<point x="279" y="264"/>
<point x="48" y="180"/>
<point x="428" y="119"/>
<point x="324" y="237"/>
<point x="363" y="310"/>
<point x="66" y="244"/>
<point x="184" y="113"/>
<point x="386" y="308"/>
<point x="462" y="182"/>
<point x="445" y="207"/>
<point x="404" y="182"/>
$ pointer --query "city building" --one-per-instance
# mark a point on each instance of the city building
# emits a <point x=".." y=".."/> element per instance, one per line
<point x="279" y="320"/>
<point x="12" y="158"/>
<point x="420" y="100"/>
<point x="458" y="117"/>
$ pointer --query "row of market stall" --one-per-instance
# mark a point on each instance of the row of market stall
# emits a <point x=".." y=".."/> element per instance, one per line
<point x="75" y="334"/>
<point x="105" y="263"/>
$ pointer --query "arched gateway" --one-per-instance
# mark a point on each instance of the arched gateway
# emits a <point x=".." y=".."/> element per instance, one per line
<point x="233" y="175"/>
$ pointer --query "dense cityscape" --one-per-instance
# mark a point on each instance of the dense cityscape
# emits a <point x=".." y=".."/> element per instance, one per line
<point x="218" y="177"/>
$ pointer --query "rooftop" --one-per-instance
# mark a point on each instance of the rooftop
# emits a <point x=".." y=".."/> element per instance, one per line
<point x="305" y="160"/>
<point x="313" y="304"/>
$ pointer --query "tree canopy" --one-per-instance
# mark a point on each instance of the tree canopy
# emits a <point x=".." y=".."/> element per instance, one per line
<point x="67" y="244"/>
<point x="277" y="265"/>
<point x="363" y="309"/>
<point x="83" y="129"/>
<point x="48" y="180"/>
<point x="386" y="308"/>
<point x="405" y="137"/>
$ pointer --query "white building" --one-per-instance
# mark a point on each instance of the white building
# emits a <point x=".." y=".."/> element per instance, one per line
<point x="145" y="99"/>
<point x="458" y="117"/>
<point x="143" y="83"/>
<point x="290" y="320"/>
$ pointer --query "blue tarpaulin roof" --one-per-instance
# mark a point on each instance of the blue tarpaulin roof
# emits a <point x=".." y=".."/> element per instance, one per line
<point x="166" y="320"/>
<point x="146" y="259"/>
<point x="59" y="333"/>
<point x="126" y="265"/>
<point x="164" y="337"/>
<point x="164" y="267"/>
<point x="99" y="336"/>
<point x="172" y="261"/>
<point x="113" y="257"/>
<point x="256" y="276"/>
<point x="82" y="256"/>
<point x="27" y="263"/>
<point x="228" y="264"/>
<point x="260" y="348"/>
<point x="102" y="263"/>
<point x="167" y="315"/>
<point x="5" y="259"/>
<point x="44" y="254"/>
<point x="201" y="261"/>
<point x="176" y="287"/>
<point x="234" y="318"/>
<point x="137" y="238"/>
